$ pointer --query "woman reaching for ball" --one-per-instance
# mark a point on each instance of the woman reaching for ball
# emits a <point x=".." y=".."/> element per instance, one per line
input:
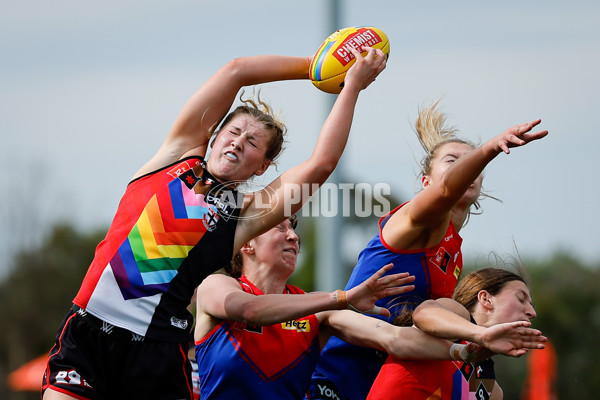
<point x="180" y="219"/>
<point x="421" y="237"/>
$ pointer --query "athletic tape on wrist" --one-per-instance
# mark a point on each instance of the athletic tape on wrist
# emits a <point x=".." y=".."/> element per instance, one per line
<point x="459" y="352"/>
<point x="343" y="304"/>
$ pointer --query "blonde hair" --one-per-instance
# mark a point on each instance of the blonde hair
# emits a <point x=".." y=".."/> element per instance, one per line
<point x="433" y="132"/>
<point x="262" y="112"/>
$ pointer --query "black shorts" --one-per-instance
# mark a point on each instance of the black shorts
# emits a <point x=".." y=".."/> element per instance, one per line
<point x="92" y="359"/>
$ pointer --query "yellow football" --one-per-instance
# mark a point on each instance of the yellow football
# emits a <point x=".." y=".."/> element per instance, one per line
<point x="333" y="58"/>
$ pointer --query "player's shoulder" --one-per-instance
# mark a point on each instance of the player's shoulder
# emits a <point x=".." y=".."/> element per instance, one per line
<point x="218" y="278"/>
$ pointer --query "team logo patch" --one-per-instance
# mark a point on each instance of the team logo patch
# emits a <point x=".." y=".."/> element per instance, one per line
<point x="253" y="328"/>
<point x="242" y="326"/>
<point x="441" y="259"/>
<point x="210" y="219"/>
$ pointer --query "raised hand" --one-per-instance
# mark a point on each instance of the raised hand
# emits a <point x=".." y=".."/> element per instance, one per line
<point x="518" y="135"/>
<point x="362" y="298"/>
<point x="365" y="69"/>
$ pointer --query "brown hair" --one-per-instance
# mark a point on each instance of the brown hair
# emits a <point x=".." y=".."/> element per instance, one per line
<point x="234" y="268"/>
<point x="492" y="280"/>
<point x="263" y="113"/>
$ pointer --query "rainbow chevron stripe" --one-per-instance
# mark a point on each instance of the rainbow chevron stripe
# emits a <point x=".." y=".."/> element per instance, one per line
<point x="158" y="243"/>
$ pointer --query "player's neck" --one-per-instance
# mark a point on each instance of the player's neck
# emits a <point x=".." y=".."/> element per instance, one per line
<point x="267" y="280"/>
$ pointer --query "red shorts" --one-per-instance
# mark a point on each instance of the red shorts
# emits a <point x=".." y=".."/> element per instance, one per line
<point x="92" y="359"/>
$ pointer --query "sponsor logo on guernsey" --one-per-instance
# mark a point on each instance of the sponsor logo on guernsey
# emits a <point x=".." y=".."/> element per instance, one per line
<point x="362" y="37"/>
<point x="299" y="326"/>
<point x="179" y="323"/>
<point x="225" y="201"/>
<point x="327" y="391"/>
<point x="456" y="272"/>
<point x="71" y="377"/>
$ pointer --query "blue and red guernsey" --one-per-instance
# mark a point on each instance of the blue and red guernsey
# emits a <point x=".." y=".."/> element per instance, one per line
<point x="442" y="380"/>
<point x="240" y="361"/>
<point x="436" y="270"/>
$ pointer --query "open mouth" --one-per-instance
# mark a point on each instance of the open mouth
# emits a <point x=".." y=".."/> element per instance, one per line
<point x="231" y="156"/>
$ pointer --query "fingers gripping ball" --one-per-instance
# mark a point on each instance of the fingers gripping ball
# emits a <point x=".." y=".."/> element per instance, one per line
<point x="333" y="58"/>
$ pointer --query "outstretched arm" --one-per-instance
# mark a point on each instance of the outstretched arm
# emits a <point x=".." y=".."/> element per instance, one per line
<point x="221" y="297"/>
<point x="424" y="220"/>
<point x="286" y="194"/>
<point x="441" y="197"/>
<point x="404" y="342"/>
<point x="448" y="319"/>
<point x="205" y="109"/>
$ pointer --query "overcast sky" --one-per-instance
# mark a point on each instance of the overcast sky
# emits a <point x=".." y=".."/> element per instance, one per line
<point x="88" y="91"/>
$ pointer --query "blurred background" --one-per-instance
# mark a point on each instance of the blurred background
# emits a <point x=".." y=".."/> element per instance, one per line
<point x="90" y="90"/>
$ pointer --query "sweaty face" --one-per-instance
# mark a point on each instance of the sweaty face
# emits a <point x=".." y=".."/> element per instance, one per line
<point x="512" y="303"/>
<point x="238" y="151"/>
<point x="446" y="155"/>
<point x="278" y="246"/>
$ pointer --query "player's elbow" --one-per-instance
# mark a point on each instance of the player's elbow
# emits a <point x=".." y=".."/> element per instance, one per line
<point x="418" y="315"/>
<point x="251" y="313"/>
<point x="234" y="69"/>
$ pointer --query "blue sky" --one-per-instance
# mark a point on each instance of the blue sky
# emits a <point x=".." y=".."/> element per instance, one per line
<point x="90" y="89"/>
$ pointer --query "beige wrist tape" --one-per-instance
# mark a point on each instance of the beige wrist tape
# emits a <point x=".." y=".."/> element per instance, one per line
<point x="342" y="303"/>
